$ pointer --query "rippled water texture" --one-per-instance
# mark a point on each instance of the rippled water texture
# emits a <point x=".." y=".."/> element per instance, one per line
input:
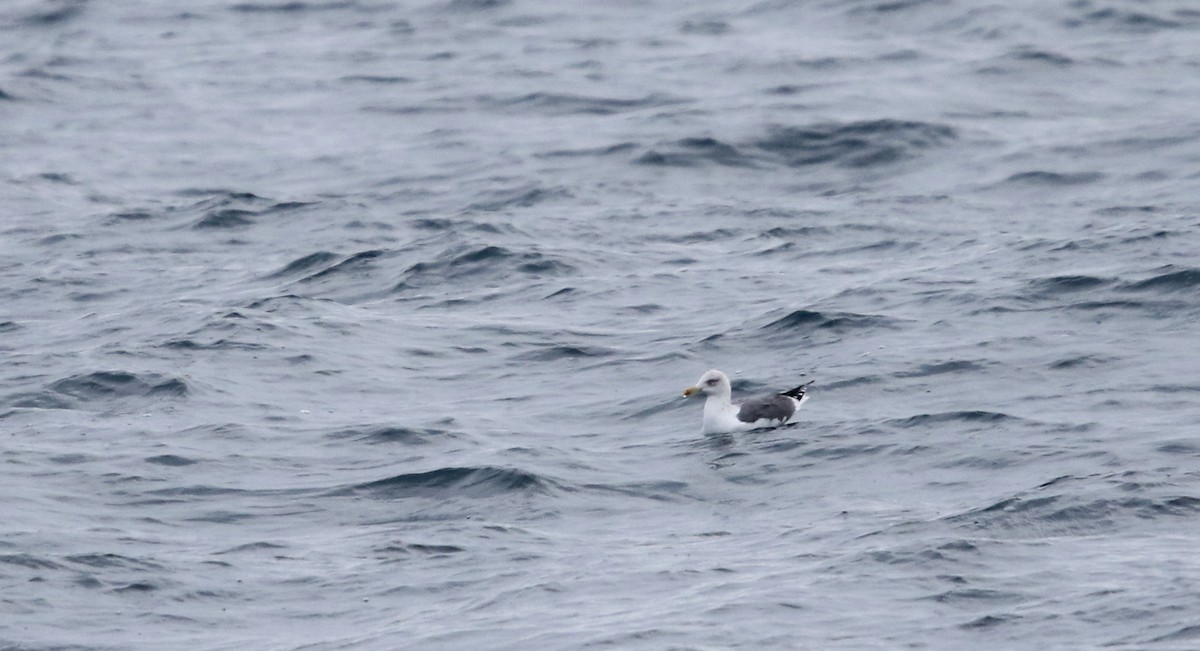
<point x="363" y="324"/>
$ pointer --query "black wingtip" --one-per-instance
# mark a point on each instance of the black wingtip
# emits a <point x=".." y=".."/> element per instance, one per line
<point x="799" y="391"/>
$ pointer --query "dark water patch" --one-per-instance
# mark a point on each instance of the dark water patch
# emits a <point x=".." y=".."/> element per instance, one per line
<point x="525" y="197"/>
<point x="959" y="546"/>
<point x="801" y="319"/>
<point x="228" y="431"/>
<point x="70" y="459"/>
<point x="377" y="79"/>
<point x="553" y="353"/>
<point x="660" y="491"/>
<point x="1118" y="211"/>
<point x="232" y="322"/>
<point x="996" y="461"/>
<point x="259" y="546"/>
<point x="426" y="352"/>
<point x="968" y="417"/>
<point x="975" y="595"/>
<point x="563" y="104"/>
<point x="693" y="237"/>
<point x="401" y="26"/>
<point x="277" y="303"/>
<point x="219" y="344"/>
<point x="434" y="549"/>
<point x="543" y="267"/>
<point x="1055" y="515"/>
<point x="854" y="144"/>
<point x="212" y="197"/>
<point x="1079" y="361"/>
<point x="457" y="226"/>
<point x="28" y="561"/>
<point x="472" y="6"/>
<point x="477" y="482"/>
<point x="644" y="308"/>
<point x="1184" y="447"/>
<point x="1177" y="280"/>
<point x="199" y="490"/>
<point x="1042" y="56"/>
<point x="1059" y="481"/>
<point x="565" y="292"/>
<point x="1175" y="388"/>
<point x="386" y="434"/>
<point x="55" y="13"/>
<point x="919" y="557"/>
<point x="88" y="297"/>
<point x="851" y="382"/>
<point x="794" y="232"/>
<point x="988" y="621"/>
<point x="107" y="385"/>
<point x="880" y="246"/>
<point x="524" y="20"/>
<point x="170" y="460"/>
<point x="136" y="587"/>
<point x="741" y="385"/>
<point x="57" y="177"/>
<point x="1181" y="505"/>
<point x="1136" y="482"/>
<point x="227" y="210"/>
<point x="42" y="73"/>
<point x="713" y="150"/>
<point x="225" y="218"/>
<point x="790" y="89"/>
<point x="87" y="581"/>
<point x="289" y="7"/>
<point x="1153" y="236"/>
<point x="1067" y="284"/>
<point x="1191" y="632"/>
<point x="855" y="451"/>
<point x="1122" y="20"/>
<point x="631" y="411"/>
<point x="59" y="238"/>
<point x="808" y="321"/>
<point x="489" y="263"/>
<point x="958" y="366"/>
<point x="6" y="97"/>
<point x="413" y="109"/>
<point x="1090" y="306"/>
<point x="129" y="216"/>
<point x="888" y="6"/>
<point x="352" y="264"/>
<point x="691" y="152"/>
<point x="38" y="400"/>
<point x="419" y="548"/>
<point x="618" y="148"/>
<point x="9" y="326"/>
<point x="1024" y="62"/>
<point x="286" y="206"/>
<point x="471" y="350"/>
<point x="221" y="517"/>
<point x="1042" y="178"/>
<point x="111" y="560"/>
<point x="705" y="27"/>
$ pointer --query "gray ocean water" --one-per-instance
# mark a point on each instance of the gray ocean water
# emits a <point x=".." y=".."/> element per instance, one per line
<point x="363" y="324"/>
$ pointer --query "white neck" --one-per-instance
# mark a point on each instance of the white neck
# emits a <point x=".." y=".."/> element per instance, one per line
<point x="718" y="407"/>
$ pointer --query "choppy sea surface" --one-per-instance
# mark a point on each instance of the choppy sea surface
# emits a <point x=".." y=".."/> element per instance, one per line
<point x="363" y="324"/>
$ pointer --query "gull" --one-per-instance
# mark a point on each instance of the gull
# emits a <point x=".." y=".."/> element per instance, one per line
<point x="721" y="416"/>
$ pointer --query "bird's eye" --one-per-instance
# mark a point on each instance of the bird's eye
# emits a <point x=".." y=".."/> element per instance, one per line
<point x="711" y="382"/>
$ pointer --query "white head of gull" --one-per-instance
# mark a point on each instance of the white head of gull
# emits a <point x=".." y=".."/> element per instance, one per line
<point x="722" y="416"/>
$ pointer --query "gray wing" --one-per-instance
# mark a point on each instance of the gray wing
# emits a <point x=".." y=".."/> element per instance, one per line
<point x="777" y="407"/>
